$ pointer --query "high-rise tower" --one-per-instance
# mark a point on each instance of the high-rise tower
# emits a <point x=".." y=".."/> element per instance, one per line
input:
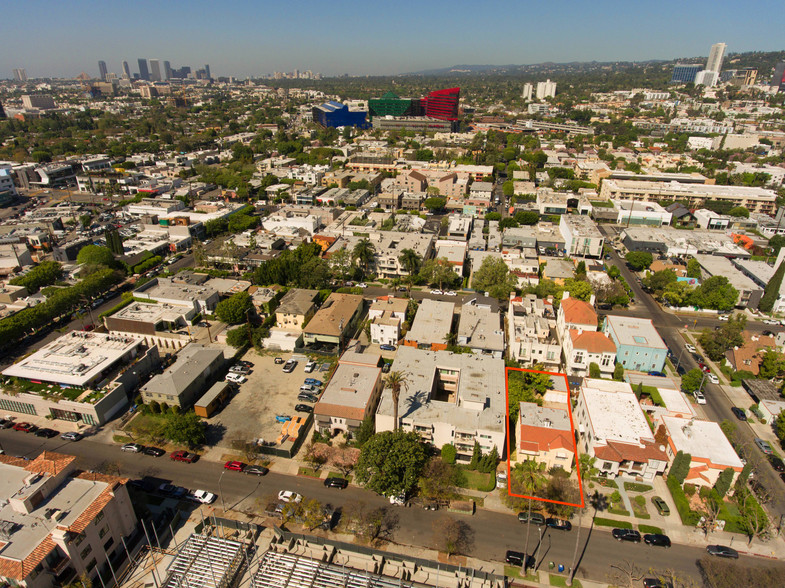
<point x="143" y="72"/>
<point x="126" y="70"/>
<point x="102" y="70"/>
<point x="716" y="55"/>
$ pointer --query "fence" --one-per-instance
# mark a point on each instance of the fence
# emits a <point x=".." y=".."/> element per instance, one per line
<point x="296" y="444"/>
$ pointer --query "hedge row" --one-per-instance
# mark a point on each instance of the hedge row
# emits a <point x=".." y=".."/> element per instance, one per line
<point x="688" y="516"/>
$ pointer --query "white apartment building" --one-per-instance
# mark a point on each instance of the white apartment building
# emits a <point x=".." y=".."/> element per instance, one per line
<point x="582" y="348"/>
<point x="546" y="89"/>
<point x="530" y="332"/>
<point x="581" y="236"/>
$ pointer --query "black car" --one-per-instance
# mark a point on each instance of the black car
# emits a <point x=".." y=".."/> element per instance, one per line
<point x="48" y="433"/>
<point x="336" y="483"/>
<point x="775" y="462"/>
<point x="535" y="518"/>
<point x="739" y="413"/>
<point x="558" y="524"/>
<point x="657" y="540"/>
<point x="303" y="408"/>
<point x="767" y="334"/>
<point x="626" y="535"/>
<point x="515" y="558"/>
<point x="6" y="424"/>
<point x="256" y="470"/>
<point x="722" y="551"/>
<point x="154" y="451"/>
<point x="656" y="583"/>
<point x="307" y="398"/>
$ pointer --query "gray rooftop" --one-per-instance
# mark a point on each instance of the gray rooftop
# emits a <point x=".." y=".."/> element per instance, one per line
<point x="191" y="362"/>
<point x="432" y="322"/>
<point x="540" y="416"/>
<point x="480" y="328"/>
<point x="636" y="332"/>
<point x="297" y="301"/>
<point x="351" y="385"/>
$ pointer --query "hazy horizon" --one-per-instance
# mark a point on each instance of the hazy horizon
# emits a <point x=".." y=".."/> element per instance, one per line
<point x="245" y="39"/>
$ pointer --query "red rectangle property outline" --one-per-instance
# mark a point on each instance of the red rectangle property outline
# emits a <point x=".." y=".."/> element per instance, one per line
<point x="507" y="371"/>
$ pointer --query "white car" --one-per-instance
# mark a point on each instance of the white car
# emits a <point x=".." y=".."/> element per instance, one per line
<point x="236" y="378"/>
<point x="310" y="366"/>
<point x="362" y="285"/>
<point x="201" y="496"/>
<point x="699" y="397"/>
<point x="450" y="293"/>
<point x="723" y="317"/>
<point x="289" y="496"/>
<point x="690" y="347"/>
<point x="712" y="378"/>
<point x="399" y="500"/>
<point x="771" y="322"/>
<point x="436" y="292"/>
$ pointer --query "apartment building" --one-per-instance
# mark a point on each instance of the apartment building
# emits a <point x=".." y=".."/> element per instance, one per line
<point x="582" y="238"/>
<point x="582" y="348"/>
<point x="531" y="338"/>
<point x="639" y="346"/>
<point x="431" y="326"/>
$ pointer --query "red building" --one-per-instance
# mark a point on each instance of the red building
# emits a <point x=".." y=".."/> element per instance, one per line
<point x="442" y="104"/>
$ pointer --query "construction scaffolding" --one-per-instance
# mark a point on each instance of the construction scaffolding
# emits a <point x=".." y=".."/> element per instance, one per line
<point x="205" y="562"/>
<point x="284" y="570"/>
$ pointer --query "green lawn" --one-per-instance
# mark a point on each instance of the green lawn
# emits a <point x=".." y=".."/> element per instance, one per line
<point x="145" y="425"/>
<point x="562" y="581"/>
<point x="310" y="472"/>
<point x="515" y="572"/>
<point x="476" y="480"/>
<point x="601" y="522"/>
<point x="649" y="529"/>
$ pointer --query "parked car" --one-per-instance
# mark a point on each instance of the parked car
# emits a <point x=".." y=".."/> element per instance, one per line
<point x="722" y="551"/>
<point x="154" y="451"/>
<point x="387" y="347"/>
<point x="309" y="389"/>
<point x="183" y="456"/>
<point x="767" y="334"/>
<point x="239" y="369"/>
<point x="775" y="462"/>
<point x="289" y="366"/>
<point x="132" y="448"/>
<point x="723" y="317"/>
<point x="398" y="500"/>
<point x="236" y="378"/>
<point x="6" y="423"/>
<point x="515" y="558"/>
<point x="289" y="496"/>
<point x="386" y="368"/>
<point x="690" y="347"/>
<point x="303" y="408"/>
<point x="48" y="433"/>
<point x="71" y="436"/>
<point x="656" y="583"/>
<point x="201" y="496"/>
<point x="761" y="443"/>
<point x="657" y="374"/>
<point x="332" y="482"/>
<point x="278" y="360"/>
<point x="237" y="466"/>
<point x="626" y="535"/>
<point x="661" y="506"/>
<point x="771" y="322"/>
<point x="256" y="470"/>
<point x="657" y="540"/>
<point x="305" y="397"/>
<point x="536" y="518"/>
<point x="25" y="427"/>
<point x="699" y="397"/>
<point x="313" y="382"/>
<point x="739" y="413"/>
<point x="310" y="366"/>
<point x="558" y="524"/>
<point x="172" y="490"/>
<point x="713" y="379"/>
<point x="436" y="292"/>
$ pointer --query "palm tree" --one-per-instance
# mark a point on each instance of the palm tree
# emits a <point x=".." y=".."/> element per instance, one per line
<point x="395" y="381"/>
<point x="364" y="252"/>
<point x="529" y="480"/>
<point x="450" y="338"/>
<point x="410" y="260"/>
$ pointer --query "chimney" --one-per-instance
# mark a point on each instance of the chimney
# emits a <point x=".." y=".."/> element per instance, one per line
<point x="592" y="299"/>
<point x="566" y="294"/>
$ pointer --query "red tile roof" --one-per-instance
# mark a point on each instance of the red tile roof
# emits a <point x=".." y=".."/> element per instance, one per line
<point x="578" y="312"/>
<point x="19" y="570"/>
<point x="618" y="452"/>
<point x="50" y="463"/>
<point x="592" y="341"/>
<point x="544" y="439"/>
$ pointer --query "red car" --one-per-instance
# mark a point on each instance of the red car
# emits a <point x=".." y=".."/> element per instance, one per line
<point x="237" y="466"/>
<point x="26" y="427"/>
<point x="183" y="456"/>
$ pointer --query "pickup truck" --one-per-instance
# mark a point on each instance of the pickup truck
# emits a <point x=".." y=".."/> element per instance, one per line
<point x="183" y="456"/>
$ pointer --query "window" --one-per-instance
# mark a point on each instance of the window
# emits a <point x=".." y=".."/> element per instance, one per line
<point x="78" y="539"/>
<point x="98" y="518"/>
<point x="102" y="533"/>
<point x="91" y="565"/>
<point x="85" y="552"/>
<point x="108" y="544"/>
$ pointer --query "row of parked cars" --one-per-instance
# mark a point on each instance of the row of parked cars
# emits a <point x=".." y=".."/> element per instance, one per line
<point x="9" y="423"/>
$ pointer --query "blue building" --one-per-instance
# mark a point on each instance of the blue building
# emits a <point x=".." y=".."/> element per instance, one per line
<point x="335" y="114"/>
<point x="639" y="346"/>
<point x="684" y="73"/>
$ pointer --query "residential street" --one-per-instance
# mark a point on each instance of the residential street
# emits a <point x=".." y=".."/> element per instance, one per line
<point x="494" y="532"/>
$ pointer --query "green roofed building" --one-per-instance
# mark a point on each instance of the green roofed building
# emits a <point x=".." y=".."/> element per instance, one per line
<point x="390" y="104"/>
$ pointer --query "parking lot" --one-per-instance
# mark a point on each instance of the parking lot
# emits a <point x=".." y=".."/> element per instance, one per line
<point x="269" y="392"/>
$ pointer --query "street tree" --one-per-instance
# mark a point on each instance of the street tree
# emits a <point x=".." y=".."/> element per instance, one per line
<point x="494" y="277"/>
<point x="625" y="573"/>
<point x="691" y="381"/>
<point x="185" y="429"/>
<point x="453" y="536"/>
<point x="95" y="255"/>
<point x="438" y="271"/>
<point x="639" y="260"/>
<point x="391" y="462"/>
<point x="234" y="310"/>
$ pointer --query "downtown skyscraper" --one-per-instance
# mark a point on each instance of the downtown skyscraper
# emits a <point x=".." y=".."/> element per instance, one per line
<point x="144" y="74"/>
<point x="102" y="70"/>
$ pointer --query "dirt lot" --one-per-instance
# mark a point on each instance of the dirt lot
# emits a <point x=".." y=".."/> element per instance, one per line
<point x="251" y="411"/>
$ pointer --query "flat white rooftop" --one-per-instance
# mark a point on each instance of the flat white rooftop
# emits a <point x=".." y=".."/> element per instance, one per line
<point x="614" y="412"/>
<point x="702" y="439"/>
<point x="74" y="359"/>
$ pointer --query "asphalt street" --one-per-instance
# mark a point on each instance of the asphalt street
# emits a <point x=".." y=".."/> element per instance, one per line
<point x="494" y="533"/>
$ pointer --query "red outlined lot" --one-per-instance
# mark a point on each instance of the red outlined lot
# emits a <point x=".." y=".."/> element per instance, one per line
<point x="572" y="425"/>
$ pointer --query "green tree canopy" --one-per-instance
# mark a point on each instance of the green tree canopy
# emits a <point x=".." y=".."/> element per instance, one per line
<point x="95" y="255"/>
<point x="45" y="273"/>
<point x="715" y="293"/>
<point x="691" y="381"/>
<point x="495" y="278"/>
<point x="435" y="204"/>
<point x="694" y="269"/>
<point x="639" y="260"/>
<point x="527" y="217"/>
<point x="185" y="429"/>
<point x="578" y="289"/>
<point x="658" y="281"/>
<point x="525" y="386"/>
<point x="739" y="211"/>
<point x="234" y="309"/>
<point x="390" y="463"/>
<point x="772" y="290"/>
<point x="438" y="272"/>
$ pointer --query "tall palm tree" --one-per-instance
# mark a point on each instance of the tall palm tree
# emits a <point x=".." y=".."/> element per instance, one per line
<point x="364" y="252"/>
<point x="395" y="381"/>
<point x="410" y="260"/>
<point x="529" y="480"/>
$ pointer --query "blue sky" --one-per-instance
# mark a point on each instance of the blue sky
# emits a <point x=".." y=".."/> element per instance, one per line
<point x="244" y="38"/>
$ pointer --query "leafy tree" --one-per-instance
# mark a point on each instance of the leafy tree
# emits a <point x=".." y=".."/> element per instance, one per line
<point x="114" y="241"/>
<point x="234" y="309"/>
<point x="722" y="485"/>
<point x="618" y="372"/>
<point x="476" y="456"/>
<point x="639" y="260"/>
<point x="95" y="255"/>
<point x="489" y="461"/>
<point x="508" y="188"/>
<point x="680" y="467"/>
<point x="239" y="337"/>
<point x="716" y="343"/>
<point x="715" y="293"/>
<point x="185" y="429"/>
<point x="364" y="432"/>
<point x="45" y="273"/>
<point x="391" y="462"/>
<point x="657" y="282"/>
<point x="691" y="381"/>
<point x="772" y="290"/>
<point x="364" y="252"/>
<point x="508" y="223"/>
<point x="435" y="204"/>
<point x="677" y="294"/>
<point x="525" y="386"/>
<point x="438" y="271"/>
<point x="438" y="479"/>
<point x="776" y="243"/>
<point x="527" y="217"/>
<point x="449" y="453"/>
<point x="613" y="272"/>
<point x="494" y="277"/>
<point x="341" y="264"/>
<point x="594" y="370"/>
<point x="739" y="211"/>
<point x="772" y="364"/>
<point x="578" y="289"/>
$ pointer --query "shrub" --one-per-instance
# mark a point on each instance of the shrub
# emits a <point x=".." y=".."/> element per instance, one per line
<point x="688" y="516"/>
<point x="602" y="522"/>
<point x="449" y="453"/>
<point x="689" y="489"/>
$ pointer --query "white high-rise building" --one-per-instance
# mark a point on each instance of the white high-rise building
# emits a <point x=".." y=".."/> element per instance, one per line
<point x="706" y="78"/>
<point x="528" y="90"/>
<point x="546" y="89"/>
<point x="716" y="55"/>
